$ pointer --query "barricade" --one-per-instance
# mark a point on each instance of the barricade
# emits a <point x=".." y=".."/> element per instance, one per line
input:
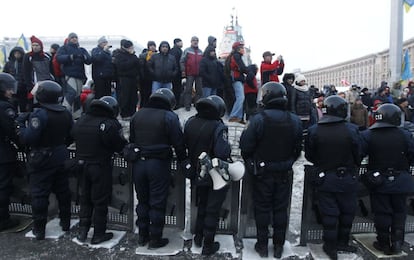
<point x="120" y="212"/>
<point x="311" y="228"/>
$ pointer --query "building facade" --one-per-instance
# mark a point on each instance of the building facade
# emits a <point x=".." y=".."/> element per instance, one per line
<point x="367" y="71"/>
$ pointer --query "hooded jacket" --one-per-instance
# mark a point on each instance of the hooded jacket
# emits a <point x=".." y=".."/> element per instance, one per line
<point x="14" y="66"/>
<point x="162" y="66"/>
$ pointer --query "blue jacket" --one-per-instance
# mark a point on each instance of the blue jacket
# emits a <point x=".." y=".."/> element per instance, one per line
<point x="73" y="58"/>
<point x="102" y="66"/>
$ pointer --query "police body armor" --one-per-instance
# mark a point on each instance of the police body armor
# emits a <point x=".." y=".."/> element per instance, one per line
<point x="89" y="143"/>
<point x="200" y="138"/>
<point x="151" y="137"/>
<point x="278" y="133"/>
<point x="387" y="157"/>
<point x="336" y="167"/>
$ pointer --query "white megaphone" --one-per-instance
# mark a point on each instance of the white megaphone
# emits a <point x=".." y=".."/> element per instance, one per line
<point x="205" y="164"/>
<point x="235" y="170"/>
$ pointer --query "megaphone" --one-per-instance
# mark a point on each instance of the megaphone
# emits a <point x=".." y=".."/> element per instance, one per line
<point x="234" y="171"/>
<point x="218" y="180"/>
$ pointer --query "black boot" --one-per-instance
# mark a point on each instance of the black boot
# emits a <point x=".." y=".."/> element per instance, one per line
<point x="143" y="239"/>
<point x="330" y="251"/>
<point x="157" y="243"/>
<point x="198" y="240"/>
<point x="8" y="224"/>
<point x="278" y="242"/>
<point x="210" y="249"/>
<point x="83" y="233"/>
<point x="97" y="239"/>
<point x="397" y="240"/>
<point x="261" y="249"/>
<point x="39" y="227"/>
<point x="65" y="224"/>
<point x="343" y="241"/>
<point x="383" y="242"/>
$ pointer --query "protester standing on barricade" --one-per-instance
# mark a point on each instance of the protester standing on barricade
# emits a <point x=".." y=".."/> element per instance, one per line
<point x="102" y="68"/>
<point x="287" y="82"/>
<point x="335" y="173"/>
<point x="97" y="134"/>
<point x="73" y="58"/>
<point x="162" y="67"/>
<point x="206" y="132"/>
<point x="269" y="70"/>
<point x="177" y="51"/>
<point x="190" y="65"/>
<point x="127" y="71"/>
<point x="250" y="91"/>
<point x="238" y="71"/>
<point x="269" y="158"/>
<point x="145" y="78"/>
<point x="388" y="177"/>
<point x="36" y="67"/>
<point x="210" y="72"/>
<point x="46" y="133"/>
<point x="8" y="151"/>
<point x="14" y="66"/>
<point x="154" y="129"/>
<point x="303" y="106"/>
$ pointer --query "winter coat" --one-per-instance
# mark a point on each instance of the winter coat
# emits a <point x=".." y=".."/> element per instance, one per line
<point x="73" y="59"/>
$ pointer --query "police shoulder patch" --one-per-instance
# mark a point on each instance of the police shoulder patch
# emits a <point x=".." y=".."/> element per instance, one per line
<point x="225" y="135"/>
<point x="102" y="127"/>
<point x="35" y="122"/>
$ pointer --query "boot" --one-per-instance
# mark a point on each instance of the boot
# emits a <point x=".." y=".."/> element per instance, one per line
<point x="157" y="243"/>
<point x="261" y="249"/>
<point x="278" y="242"/>
<point x="383" y="242"/>
<point x="330" y="251"/>
<point x="8" y="224"/>
<point x="210" y="249"/>
<point x="343" y="241"/>
<point x="278" y="251"/>
<point x="198" y="240"/>
<point x="83" y="233"/>
<point x="65" y="224"/>
<point x="143" y="240"/>
<point x="97" y="239"/>
<point x="397" y="240"/>
<point x="39" y="227"/>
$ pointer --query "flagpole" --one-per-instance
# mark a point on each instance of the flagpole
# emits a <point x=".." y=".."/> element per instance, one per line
<point x="396" y="41"/>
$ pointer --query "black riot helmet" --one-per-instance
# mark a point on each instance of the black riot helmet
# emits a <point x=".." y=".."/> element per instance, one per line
<point x="212" y="107"/>
<point x="334" y="109"/>
<point x="50" y="95"/>
<point x="106" y="103"/>
<point x="274" y="93"/>
<point x="7" y="82"/>
<point x="164" y="95"/>
<point x="387" y="115"/>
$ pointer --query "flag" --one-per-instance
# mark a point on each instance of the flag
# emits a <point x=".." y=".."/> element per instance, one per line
<point x="2" y="56"/>
<point x="408" y="4"/>
<point x="345" y="82"/>
<point x="406" y="67"/>
<point x="22" y="42"/>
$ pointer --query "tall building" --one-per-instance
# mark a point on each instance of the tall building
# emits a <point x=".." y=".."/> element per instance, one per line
<point x="367" y="71"/>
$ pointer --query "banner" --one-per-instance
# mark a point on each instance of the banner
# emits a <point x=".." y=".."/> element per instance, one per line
<point x="22" y="42"/>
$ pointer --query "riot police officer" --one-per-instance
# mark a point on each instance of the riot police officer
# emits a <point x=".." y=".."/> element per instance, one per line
<point x="336" y="171"/>
<point x="270" y="145"/>
<point x="206" y="132"/>
<point x="47" y="134"/>
<point x="8" y="152"/>
<point x="97" y="134"/>
<point x="154" y="129"/>
<point x="391" y="152"/>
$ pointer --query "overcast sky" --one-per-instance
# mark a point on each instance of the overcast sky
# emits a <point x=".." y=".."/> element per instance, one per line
<point x="308" y="33"/>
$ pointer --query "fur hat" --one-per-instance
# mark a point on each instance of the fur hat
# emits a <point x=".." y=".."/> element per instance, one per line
<point x="299" y="77"/>
<point x="34" y="39"/>
<point x="102" y="40"/>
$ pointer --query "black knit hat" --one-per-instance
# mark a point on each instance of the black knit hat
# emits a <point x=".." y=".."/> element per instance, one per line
<point x="126" y="43"/>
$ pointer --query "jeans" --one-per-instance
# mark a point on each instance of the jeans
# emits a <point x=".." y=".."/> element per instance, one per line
<point x="157" y="85"/>
<point x="237" y="110"/>
<point x="209" y="91"/>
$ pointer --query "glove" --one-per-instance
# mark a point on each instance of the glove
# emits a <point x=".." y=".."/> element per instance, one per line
<point x="22" y="117"/>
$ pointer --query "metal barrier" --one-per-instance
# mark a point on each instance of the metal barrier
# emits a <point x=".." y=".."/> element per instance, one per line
<point x="120" y="212"/>
<point x="311" y="227"/>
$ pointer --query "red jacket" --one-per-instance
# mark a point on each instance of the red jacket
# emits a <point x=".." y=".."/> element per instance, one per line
<point x="252" y="88"/>
<point x="270" y="71"/>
